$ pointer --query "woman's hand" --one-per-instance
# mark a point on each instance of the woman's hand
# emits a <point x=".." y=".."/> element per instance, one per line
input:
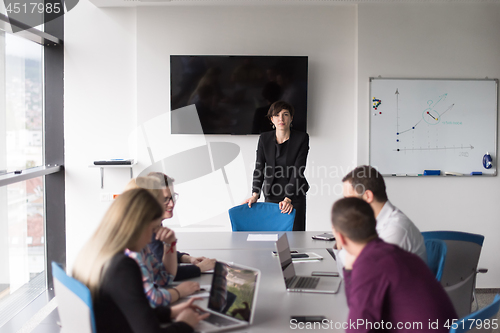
<point x="206" y="264"/>
<point x="165" y="235"/>
<point x="187" y="288"/>
<point x="286" y="206"/>
<point x="192" y="260"/>
<point x="251" y="200"/>
<point x="192" y="317"/>
<point x="175" y="310"/>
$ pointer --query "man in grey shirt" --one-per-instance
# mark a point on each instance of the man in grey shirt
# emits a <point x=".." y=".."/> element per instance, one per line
<point x="393" y="226"/>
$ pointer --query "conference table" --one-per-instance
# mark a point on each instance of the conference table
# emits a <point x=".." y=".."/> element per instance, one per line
<point x="274" y="304"/>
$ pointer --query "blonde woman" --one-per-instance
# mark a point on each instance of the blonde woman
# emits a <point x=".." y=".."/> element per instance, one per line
<point x="158" y="273"/>
<point x="114" y="279"/>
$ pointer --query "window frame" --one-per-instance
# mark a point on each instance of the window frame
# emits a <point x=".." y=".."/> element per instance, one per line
<point x="53" y="143"/>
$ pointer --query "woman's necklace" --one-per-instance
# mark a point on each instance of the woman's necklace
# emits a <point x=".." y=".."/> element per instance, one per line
<point x="281" y="140"/>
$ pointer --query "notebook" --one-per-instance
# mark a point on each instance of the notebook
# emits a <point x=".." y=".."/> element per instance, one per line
<point x="307" y="284"/>
<point x="232" y="298"/>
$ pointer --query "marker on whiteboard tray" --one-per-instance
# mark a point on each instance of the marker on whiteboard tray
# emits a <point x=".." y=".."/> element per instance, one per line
<point x="451" y="173"/>
<point x="413" y="174"/>
<point x="400" y="174"/>
<point x="476" y="173"/>
<point x="432" y="172"/>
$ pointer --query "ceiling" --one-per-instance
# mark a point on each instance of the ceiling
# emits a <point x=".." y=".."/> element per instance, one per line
<point x="140" y="3"/>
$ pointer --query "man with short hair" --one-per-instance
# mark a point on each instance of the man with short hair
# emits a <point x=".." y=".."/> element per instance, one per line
<point x="393" y="226"/>
<point x="387" y="288"/>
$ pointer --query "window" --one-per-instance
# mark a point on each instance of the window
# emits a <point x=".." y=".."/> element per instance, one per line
<point x="31" y="162"/>
<point x="22" y="112"/>
<point x="22" y="254"/>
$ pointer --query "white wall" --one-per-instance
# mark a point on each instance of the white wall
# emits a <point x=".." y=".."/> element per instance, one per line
<point x="435" y="41"/>
<point x="326" y="34"/>
<point x="100" y="111"/>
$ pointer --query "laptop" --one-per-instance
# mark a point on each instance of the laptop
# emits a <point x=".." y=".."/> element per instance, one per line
<point x="304" y="284"/>
<point x="232" y="299"/>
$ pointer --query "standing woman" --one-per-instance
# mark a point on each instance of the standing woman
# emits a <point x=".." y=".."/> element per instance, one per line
<point x="280" y="164"/>
<point x="115" y="280"/>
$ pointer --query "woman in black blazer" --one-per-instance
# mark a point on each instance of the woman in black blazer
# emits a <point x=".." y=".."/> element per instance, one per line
<point x="280" y="164"/>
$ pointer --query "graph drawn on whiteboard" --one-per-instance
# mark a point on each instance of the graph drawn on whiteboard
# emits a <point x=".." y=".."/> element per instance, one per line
<point x="445" y="125"/>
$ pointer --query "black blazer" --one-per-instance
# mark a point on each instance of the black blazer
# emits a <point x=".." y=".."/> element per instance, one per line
<point x="122" y="306"/>
<point x="263" y="174"/>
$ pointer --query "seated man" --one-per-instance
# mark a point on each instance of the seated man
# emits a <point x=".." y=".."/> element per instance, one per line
<point x="386" y="287"/>
<point x="393" y="226"/>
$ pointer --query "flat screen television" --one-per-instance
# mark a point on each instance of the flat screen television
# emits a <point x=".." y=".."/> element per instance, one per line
<point x="232" y="94"/>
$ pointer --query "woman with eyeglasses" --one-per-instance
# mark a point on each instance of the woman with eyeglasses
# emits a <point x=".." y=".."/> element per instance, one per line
<point x="159" y="273"/>
<point x="115" y="280"/>
<point x="198" y="264"/>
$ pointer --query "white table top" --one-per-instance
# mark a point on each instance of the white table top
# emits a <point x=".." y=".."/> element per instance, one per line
<point x="274" y="304"/>
<point x="238" y="240"/>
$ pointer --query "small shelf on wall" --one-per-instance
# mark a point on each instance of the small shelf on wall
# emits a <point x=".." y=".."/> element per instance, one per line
<point x="102" y="167"/>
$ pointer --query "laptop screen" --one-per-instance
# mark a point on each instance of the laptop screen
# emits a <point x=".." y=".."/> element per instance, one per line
<point x="283" y="250"/>
<point x="233" y="291"/>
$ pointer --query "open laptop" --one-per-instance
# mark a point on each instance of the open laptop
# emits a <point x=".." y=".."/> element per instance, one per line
<point x="232" y="298"/>
<point x="305" y="284"/>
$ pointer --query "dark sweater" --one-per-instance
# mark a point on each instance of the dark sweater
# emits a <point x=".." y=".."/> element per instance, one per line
<point x="295" y="161"/>
<point x="389" y="284"/>
<point x="122" y="306"/>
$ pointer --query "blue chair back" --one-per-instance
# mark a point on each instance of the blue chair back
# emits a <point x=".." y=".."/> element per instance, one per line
<point x="263" y="216"/>
<point x="454" y="236"/>
<point x="459" y="272"/>
<point x="478" y="318"/>
<point x="74" y="303"/>
<point x="436" y="256"/>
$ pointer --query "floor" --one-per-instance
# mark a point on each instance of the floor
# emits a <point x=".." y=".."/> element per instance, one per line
<point x="484" y="298"/>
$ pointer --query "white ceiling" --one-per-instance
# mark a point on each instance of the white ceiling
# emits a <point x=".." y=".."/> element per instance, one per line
<point x="139" y="3"/>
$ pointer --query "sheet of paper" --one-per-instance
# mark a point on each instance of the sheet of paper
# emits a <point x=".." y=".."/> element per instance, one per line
<point x="262" y="238"/>
<point x="295" y="261"/>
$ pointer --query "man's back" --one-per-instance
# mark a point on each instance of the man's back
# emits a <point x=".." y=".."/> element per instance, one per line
<point x="394" y="286"/>
<point x="394" y="227"/>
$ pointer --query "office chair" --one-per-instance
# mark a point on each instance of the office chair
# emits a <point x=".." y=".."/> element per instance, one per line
<point x="481" y="321"/>
<point x="460" y="268"/>
<point x="263" y="216"/>
<point x="74" y="303"/>
<point x="436" y="256"/>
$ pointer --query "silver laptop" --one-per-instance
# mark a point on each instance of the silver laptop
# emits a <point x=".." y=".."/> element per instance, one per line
<point x="232" y="298"/>
<point x="304" y="284"/>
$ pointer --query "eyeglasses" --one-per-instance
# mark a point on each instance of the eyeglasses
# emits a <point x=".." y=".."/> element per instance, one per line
<point x="172" y="198"/>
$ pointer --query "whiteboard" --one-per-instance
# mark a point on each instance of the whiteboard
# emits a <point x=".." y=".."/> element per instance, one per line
<point x="432" y="124"/>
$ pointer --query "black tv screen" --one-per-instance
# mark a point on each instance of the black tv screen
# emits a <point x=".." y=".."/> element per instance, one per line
<point x="232" y="94"/>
